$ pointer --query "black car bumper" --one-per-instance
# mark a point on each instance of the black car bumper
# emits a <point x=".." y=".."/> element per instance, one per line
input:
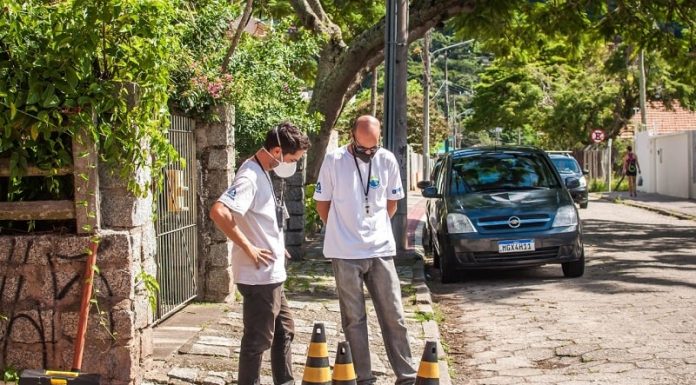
<point x="480" y="252"/>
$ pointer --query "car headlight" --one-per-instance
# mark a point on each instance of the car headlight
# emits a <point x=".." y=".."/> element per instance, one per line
<point x="583" y="181"/>
<point x="459" y="223"/>
<point x="565" y="216"/>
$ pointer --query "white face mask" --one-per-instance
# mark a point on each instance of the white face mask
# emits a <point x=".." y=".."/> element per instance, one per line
<point x="283" y="169"/>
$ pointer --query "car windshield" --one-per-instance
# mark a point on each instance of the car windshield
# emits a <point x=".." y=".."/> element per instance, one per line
<point x="566" y="165"/>
<point x="498" y="171"/>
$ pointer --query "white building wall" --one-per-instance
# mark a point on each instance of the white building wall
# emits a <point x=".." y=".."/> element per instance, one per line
<point x="692" y="164"/>
<point x="645" y="151"/>
<point x="668" y="163"/>
<point x="672" y="164"/>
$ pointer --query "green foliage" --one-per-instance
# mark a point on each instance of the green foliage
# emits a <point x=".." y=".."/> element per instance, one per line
<point x="63" y="67"/>
<point x="152" y="287"/>
<point x="414" y="118"/>
<point x="269" y="89"/>
<point x="565" y="68"/>
<point x="598" y="185"/>
<point x="312" y="223"/>
<point x="10" y="374"/>
<point x="265" y="78"/>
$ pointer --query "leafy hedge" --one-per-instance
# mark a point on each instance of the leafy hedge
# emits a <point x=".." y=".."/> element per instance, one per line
<point x="64" y="67"/>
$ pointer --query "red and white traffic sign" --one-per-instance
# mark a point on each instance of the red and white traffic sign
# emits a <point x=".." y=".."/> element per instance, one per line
<point x="598" y="135"/>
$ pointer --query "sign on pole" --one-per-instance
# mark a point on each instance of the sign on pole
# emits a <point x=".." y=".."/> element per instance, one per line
<point x="598" y="135"/>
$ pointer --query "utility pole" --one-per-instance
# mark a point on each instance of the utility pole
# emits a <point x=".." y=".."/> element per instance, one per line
<point x="395" y="99"/>
<point x="447" y="114"/>
<point x="446" y="85"/>
<point x="641" y="78"/>
<point x="389" y="64"/>
<point x="426" y="106"/>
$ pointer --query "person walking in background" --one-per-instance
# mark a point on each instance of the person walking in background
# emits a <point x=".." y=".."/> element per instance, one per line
<point x="252" y="216"/>
<point x="357" y="192"/>
<point x="631" y="168"/>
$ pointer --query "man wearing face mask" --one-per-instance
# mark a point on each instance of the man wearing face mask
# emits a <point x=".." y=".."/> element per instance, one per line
<point x="252" y="215"/>
<point x="357" y="193"/>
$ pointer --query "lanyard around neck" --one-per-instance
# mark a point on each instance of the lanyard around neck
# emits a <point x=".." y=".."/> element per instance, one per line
<point x="268" y="177"/>
<point x="369" y="175"/>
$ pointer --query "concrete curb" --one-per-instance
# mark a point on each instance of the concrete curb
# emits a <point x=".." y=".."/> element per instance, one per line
<point x="659" y="210"/>
<point x="424" y="304"/>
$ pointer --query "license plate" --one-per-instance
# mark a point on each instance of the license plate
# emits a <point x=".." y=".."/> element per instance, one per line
<point x="516" y="246"/>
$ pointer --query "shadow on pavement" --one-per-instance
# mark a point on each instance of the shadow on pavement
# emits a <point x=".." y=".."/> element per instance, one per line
<point x="621" y="258"/>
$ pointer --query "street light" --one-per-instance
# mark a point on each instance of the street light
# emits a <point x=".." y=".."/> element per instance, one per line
<point x="426" y="95"/>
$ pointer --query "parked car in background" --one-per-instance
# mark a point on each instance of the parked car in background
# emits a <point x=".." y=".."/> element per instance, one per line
<point x="568" y="167"/>
<point x="502" y="207"/>
<point x="430" y="205"/>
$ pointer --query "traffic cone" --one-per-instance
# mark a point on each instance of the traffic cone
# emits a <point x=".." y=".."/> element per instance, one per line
<point x="429" y="371"/>
<point x="317" y="371"/>
<point x="344" y="372"/>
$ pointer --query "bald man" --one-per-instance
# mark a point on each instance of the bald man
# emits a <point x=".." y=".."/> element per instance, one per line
<point x="356" y="193"/>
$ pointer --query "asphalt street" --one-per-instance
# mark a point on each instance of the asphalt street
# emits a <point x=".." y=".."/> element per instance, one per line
<point x="630" y="319"/>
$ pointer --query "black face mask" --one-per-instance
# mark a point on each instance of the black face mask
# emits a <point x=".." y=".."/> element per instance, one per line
<point x="364" y="154"/>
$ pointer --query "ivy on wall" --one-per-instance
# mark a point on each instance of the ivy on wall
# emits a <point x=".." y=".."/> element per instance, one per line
<point x="69" y="65"/>
<point x="116" y="68"/>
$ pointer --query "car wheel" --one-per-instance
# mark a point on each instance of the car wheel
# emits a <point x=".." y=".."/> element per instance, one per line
<point x="574" y="269"/>
<point x="447" y="273"/>
<point x="583" y="205"/>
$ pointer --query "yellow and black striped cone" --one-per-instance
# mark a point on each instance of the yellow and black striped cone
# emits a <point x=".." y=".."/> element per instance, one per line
<point x="429" y="371"/>
<point x="344" y="372"/>
<point x="317" y="371"/>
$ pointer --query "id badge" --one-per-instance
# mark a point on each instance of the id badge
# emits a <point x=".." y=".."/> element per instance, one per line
<point x="280" y="218"/>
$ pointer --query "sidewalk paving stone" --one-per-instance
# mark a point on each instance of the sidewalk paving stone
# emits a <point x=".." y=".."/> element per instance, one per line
<point x="211" y="355"/>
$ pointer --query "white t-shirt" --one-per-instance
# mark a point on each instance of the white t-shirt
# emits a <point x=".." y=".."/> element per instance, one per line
<point x="352" y="233"/>
<point x="250" y="199"/>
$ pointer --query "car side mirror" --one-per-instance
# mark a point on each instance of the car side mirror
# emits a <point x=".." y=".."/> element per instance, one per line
<point x="424" y="184"/>
<point x="431" y="192"/>
<point x="572" y="183"/>
<point x="585" y="172"/>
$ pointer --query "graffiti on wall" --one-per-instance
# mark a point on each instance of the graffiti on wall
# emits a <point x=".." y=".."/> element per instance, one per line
<point x="39" y="294"/>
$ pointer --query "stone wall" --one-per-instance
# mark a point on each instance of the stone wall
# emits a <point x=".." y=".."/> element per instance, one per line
<point x="215" y="162"/>
<point x="40" y="284"/>
<point x="41" y="288"/>
<point x="294" y="201"/>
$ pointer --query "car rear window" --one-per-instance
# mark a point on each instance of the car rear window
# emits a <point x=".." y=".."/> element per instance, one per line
<point x="500" y="172"/>
<point x="566" y="165"/>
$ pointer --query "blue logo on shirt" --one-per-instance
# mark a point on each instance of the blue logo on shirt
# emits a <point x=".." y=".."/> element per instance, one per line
<point x="374" y="182"/>
<point x="318" y="188"/>
<point x="396" y="190"/>
<point x="231" y="193"/>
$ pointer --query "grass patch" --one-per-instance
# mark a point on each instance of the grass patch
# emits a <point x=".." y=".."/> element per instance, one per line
<point x="422" y="316"/>
<point x="408" y="290"/>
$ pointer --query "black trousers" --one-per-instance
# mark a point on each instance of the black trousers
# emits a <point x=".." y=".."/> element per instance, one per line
<point x="267" y="324"/>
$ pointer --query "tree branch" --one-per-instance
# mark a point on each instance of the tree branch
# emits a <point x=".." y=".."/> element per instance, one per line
<point x="237" y="35"/>
<point x="313" y="17"/>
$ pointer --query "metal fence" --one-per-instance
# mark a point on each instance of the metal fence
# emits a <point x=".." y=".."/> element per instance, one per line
<point x="176" y="224"/>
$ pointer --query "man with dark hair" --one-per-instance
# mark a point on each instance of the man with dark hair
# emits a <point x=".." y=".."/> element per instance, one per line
<point x="357" y="191"/>
<point x="252" y="216"/>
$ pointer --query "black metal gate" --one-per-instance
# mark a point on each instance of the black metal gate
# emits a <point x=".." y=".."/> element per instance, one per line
<point x="176" y="224"/>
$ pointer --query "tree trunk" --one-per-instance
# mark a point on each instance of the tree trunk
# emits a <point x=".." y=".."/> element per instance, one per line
<point x="342" y="67"/>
